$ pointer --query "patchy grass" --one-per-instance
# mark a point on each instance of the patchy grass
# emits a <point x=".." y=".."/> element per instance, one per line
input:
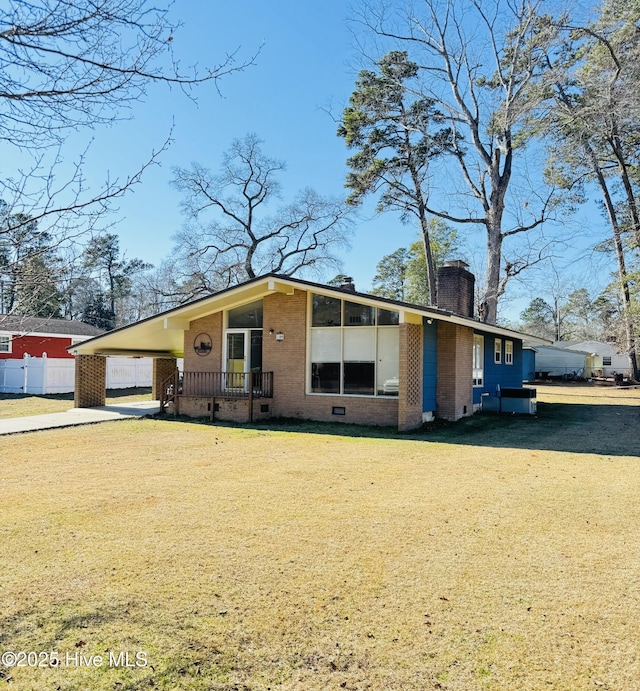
<point x="21" y="405"/>
<point x="574" y="418"/>
<point x="254" y="559"/>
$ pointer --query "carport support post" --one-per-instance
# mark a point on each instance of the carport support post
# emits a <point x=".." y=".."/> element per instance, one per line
<point x="91" y="381"/>
<point x="163" y="368"/>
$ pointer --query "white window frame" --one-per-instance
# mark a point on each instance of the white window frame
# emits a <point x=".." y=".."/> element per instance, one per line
<point x="508" y="352"/>
<point x="6" y="338"/>
<point x="342" y="330"/>
<point x="478" y="360"/>
<point x="497" y="351"/>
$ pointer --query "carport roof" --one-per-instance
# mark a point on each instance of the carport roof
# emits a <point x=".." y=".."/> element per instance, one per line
<point x="163" y="335"/>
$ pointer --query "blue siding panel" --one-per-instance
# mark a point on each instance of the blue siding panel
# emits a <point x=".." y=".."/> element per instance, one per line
<point x="499" y="375"/>
<point x="528" y="364"/>
<point x="429" y="365"/>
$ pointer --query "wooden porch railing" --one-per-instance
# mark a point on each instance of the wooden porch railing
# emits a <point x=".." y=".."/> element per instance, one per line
<point x="247" y="385"/>
<point x="169" y="390"/>
<point x="228" y="384"/>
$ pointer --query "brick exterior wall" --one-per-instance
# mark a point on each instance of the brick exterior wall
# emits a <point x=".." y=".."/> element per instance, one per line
<point x="212" y="326"/>
<point x="90" y="381"/>
<point x="288" y="361"/>
<point x="163" y="368"/>
<point x="231" y="410"/>
<point x="454" y="390"/>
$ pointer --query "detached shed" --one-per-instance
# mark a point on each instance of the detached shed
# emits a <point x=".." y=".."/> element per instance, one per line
<point x="557" y="361"/>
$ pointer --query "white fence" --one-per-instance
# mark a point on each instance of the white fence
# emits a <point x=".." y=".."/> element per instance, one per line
<point x="43" y="375"/>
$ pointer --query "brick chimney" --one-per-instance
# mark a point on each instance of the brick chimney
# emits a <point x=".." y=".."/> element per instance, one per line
<point x="456" y="288"/>
<point x="347" y="285"/>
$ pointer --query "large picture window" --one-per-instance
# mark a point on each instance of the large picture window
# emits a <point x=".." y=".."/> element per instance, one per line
<point x="354" y="348"/>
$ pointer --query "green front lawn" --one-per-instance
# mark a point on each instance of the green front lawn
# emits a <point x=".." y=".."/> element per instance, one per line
<point x="254" y="559"/>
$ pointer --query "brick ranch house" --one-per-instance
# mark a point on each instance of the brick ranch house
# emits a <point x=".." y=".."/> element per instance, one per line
<point x="284" y="347"/>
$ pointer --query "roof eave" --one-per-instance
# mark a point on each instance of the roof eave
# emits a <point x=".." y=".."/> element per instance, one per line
<point x="179" y="318"/>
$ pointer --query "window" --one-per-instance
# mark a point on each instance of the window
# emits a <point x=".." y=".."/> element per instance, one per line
<point x="508" y="352"/>
<point x="497" y="350"/>
<point x="325" y="377"/>
<point x="5" y="344"/>
<point x="358" y="315"/>
<point x="387" y="364"/>
<point x="606" y="360"/>
<point x="359" y="378"/>
<point x="388" y="317"/>
<point x="246" y="317"/>
<point x="478" y="360"/>
<point x="354" y="348"/>
<point x="326" y="311"/>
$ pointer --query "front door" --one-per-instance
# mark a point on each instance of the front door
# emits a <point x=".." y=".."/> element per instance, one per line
<point x="243" y="353"/>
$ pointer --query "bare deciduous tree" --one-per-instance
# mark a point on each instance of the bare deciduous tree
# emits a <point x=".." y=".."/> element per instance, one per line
<point x="233" y="232"/>
<point x="68" y="66"/>
<point x="477" y="62"/>
<point x="592" y="130"/>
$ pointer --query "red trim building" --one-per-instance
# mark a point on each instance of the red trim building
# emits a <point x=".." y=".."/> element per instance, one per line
<point x="34" y="336"/>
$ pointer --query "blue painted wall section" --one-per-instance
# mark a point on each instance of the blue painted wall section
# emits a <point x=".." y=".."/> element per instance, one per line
<point x="429" y="365"/>
<point x="499" y="375"/>
<point x="528" y="364"/>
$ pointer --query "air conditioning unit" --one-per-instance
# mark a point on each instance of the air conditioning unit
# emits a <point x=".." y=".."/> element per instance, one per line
<point x="521" y="401"/>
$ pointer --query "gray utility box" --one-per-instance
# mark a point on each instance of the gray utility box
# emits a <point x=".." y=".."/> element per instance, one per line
<point x="490" y="404"/>
<point x="518" y="401"/>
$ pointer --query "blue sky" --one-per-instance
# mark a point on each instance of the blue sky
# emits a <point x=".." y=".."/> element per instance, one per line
<point x="303" y="70"/>
<point x="307" y="66"/>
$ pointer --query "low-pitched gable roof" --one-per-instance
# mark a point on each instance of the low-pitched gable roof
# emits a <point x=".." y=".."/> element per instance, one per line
<point x="162" y="334"/>
<point x="46" y="326"/>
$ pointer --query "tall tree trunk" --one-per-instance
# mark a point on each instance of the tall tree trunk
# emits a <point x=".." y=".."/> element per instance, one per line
<point x="616" y="147"/>
<point x="494" y="211"/>
<point x="488" y="308"/>
<point x="428" y="253"/>
<point x="630" y="345"/>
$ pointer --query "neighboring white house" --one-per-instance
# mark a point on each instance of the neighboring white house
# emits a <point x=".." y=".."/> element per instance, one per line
<point x="585" y="359"/>
<point x="604" y="360"/>
<point x="558" y="361"/>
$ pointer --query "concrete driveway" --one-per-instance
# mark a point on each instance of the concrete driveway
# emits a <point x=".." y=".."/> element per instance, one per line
<point x="78" y="416"/>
